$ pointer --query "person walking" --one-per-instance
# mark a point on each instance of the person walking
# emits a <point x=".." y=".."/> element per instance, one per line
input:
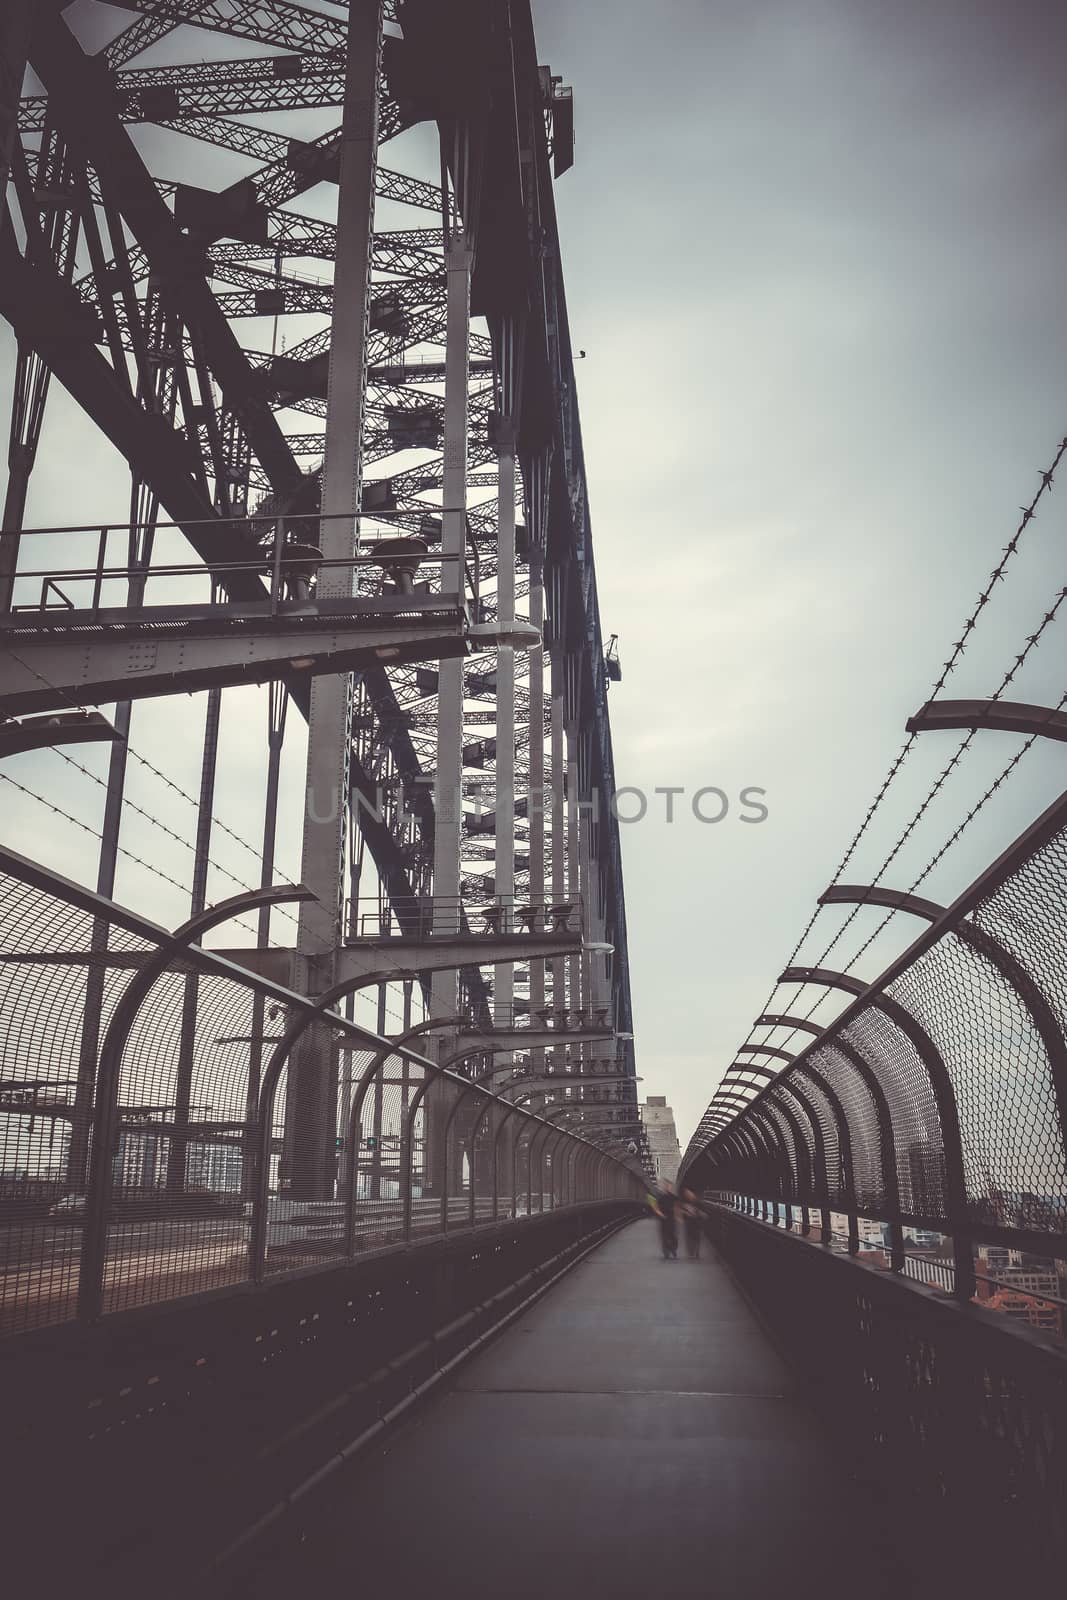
<point x="666" y="1206"/>
<point x="693" y="1222"/>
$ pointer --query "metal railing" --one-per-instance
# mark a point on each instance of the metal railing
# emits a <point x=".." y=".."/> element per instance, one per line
<point x="952" y="1418"/>
<point x="282" y="552"/>
<point x="440" y="916"/>
<point x="937" y="1100"/>
<point x="172" y="1124"/>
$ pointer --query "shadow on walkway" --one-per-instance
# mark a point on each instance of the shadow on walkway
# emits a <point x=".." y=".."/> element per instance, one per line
<point x="634" y="1434"/>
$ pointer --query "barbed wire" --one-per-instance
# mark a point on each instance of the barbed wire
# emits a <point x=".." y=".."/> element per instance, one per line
<point x="1031" y="643"/>
<point x="87" y="828"/>
<point x="138" y="757"/>
<point x="959" y="648"/>
<point x="958" y="830"/>
<point x="132" y="805"/>
<point x="957" y="652"/>
<point x="931" y="864"/>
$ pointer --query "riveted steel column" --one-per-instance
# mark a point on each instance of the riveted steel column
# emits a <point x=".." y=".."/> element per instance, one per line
<point x="535" y="804"/>
<point x="448" y="788"/>
<point x="559" y="830"/>
<point x="311" y="1110"/>
<point x="504" y="868"/>
<point x="190" y="999"/>
<point x="277" y="707"/>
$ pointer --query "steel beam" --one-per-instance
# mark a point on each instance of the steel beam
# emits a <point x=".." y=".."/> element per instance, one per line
<point x="83" y="105"/>
<point x="39" y="733"/>
<point x="1011" y="716"/>
<point x="105" y="655"/>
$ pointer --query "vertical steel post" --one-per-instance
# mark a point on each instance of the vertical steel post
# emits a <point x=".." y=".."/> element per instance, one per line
<point x="535" y="803"/>
<point x="311" y="1110"/>
<point x="504" y="868"/>
<point x="448" y="787"/>
<point x="559" y="833"/>
<point x="176" y="1162"/>
<point x="376" y="1117"/>
<point x="575" y="998"/>
<point x="277" y="706"/>
<point x="15" y="21"/>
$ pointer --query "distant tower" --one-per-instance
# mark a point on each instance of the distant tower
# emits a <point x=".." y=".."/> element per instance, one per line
<point x="663" y="1145"/>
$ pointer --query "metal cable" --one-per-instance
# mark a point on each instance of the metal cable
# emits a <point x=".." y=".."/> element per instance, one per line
<point x="958" y="650"/>
<point x="86" y="828"/>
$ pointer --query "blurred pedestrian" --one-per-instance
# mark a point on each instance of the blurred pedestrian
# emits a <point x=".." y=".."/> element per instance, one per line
<point x="666" y="1206"/>
<point x="693" y="1223"/>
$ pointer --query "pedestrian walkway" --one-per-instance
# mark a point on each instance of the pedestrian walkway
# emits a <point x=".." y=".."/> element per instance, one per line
<point x="633" y="1434"/>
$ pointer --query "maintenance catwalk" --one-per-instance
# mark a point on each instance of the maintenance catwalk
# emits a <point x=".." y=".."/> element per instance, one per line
<point x="626" y="1437"/>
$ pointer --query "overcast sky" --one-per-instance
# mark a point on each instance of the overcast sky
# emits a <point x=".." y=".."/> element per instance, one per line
<point x="815" y="253"/>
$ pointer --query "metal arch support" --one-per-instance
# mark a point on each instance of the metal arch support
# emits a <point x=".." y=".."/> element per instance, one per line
<point x="590" y="1130"/>
<point x="785" y="1087"/>
<point x="736" y="1098"/>
<point x="296" y="1026"/>
<point x="886" y="1131"/>
<point x="773" y="1136"/>
<point x="844" y="1145"/>
<point x="510" y="1108"/>
<point x="406" y="1150"/>
<point x="100" y="1181"/>
<point x="826" y="978"/>
<point x="754" y="1141"/>
<point x="887" y="1139"/>
<point x="355" y="1116"/>
<point x="805" y="1175"/>
<point x="544" y="1151"/>
<point x="874" y="894"/>
<point x="732" y="1146"/>
<point x="532" y="1127"/>
<point x="777" y="1019"/>
<point x="1034" y="1002"/>
<point x="765" y="1050"/>
<point x="472" y="1145"/>
<point x="470" y="1087"/>
<point x="1009" y="716"/>
<point x="944" y="1099"/>
<point x="65" y="727"/>
<point x="731" y="1079"/>
<point x="1010" y="968"/>
<point x="775" y="1154"/>
<point x="742" y="1143"/>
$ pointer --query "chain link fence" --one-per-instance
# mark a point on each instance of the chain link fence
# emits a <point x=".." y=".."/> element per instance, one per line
<point x="936" y="1104"/>
<point x="172" y="1125"/>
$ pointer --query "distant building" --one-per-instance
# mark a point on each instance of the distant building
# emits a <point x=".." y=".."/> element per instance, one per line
<point x="1013" y="1281"/>
<point x="662" y="1136"/>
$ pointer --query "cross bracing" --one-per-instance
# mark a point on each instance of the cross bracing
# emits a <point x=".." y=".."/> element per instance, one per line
<point x="172" y="297"/>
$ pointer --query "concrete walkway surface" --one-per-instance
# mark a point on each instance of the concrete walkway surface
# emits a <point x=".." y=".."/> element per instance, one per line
<point x="634" y="1434"/>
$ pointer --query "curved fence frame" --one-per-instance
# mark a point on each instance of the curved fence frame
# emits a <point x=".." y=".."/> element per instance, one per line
<point x="943" y="1083"/>
<point x="69" y="935"/>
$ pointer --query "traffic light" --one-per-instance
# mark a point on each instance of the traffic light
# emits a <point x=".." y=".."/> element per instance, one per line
<point x="371" y="1142"/>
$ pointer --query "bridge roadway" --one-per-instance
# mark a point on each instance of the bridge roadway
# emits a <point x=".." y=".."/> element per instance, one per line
<point x="634" y="1433"/>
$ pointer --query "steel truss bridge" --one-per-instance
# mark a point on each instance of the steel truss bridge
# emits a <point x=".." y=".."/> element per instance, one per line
<point x="261" y="1191"/>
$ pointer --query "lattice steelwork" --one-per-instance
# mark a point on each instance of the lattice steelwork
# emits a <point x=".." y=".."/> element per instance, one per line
<point x="313" y="358"/>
